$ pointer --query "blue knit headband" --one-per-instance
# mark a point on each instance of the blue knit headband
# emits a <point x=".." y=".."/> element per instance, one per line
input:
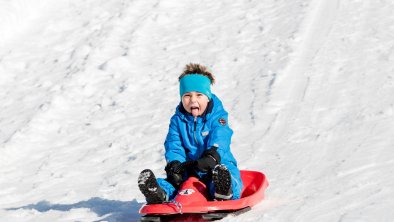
<point x="197" y="83"/>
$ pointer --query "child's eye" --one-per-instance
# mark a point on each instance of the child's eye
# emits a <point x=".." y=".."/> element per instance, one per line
<point x="199" y="95"/>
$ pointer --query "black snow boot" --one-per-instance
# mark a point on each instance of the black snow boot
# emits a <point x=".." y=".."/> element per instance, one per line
<point x="222" y="182"/>
<point x="147" y="183"/>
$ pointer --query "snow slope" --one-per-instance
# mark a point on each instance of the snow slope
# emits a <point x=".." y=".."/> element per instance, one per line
<point x="87" y="89"/>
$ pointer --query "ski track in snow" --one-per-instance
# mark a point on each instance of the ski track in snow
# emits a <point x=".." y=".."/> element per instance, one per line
<point x="87" y="90"/>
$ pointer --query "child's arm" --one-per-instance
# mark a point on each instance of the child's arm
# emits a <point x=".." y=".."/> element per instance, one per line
<point x="173" y="144"/>
<point x="220" y="134"/>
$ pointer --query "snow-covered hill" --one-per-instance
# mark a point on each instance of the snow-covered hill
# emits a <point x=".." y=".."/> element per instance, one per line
<point x="87" y="89"/>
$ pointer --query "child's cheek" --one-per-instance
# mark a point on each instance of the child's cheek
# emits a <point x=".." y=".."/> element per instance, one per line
<point x="186" y="108"/>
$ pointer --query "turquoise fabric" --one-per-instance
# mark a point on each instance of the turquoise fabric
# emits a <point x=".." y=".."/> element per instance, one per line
<point x="196" y="83"/>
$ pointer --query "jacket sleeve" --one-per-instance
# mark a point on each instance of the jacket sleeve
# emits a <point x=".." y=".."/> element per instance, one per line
<point x="221" y="133"/>
<point x="173" y="144"/>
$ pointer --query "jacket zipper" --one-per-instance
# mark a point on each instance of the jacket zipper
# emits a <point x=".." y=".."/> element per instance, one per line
<point x="195" y="128"/>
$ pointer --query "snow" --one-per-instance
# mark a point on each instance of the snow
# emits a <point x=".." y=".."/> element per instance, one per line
<point x="87" y="89"/>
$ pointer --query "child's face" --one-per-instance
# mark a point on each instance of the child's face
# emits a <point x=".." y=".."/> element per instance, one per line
<point x="195" y="103"/>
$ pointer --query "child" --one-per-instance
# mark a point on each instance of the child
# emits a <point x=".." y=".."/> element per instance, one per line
<point x="197" y="144"/>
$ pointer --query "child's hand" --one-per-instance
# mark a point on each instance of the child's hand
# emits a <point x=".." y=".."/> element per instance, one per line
<point x="174" y="175"/>
<point x="209" y="159"/>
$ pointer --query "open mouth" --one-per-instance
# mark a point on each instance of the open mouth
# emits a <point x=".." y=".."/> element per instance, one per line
<point x="194" y="110"/>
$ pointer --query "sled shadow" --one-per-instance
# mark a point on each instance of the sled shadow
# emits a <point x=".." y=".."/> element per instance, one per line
<point x="117" y="211"/>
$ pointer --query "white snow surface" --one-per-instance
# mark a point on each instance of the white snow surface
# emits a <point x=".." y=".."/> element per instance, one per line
<point x="87" y="89"/>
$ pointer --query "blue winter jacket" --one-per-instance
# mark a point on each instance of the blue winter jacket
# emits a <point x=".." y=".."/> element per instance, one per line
<point x="187" y="139"/>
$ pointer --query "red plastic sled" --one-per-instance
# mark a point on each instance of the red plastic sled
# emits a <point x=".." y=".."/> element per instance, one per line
<point x="192" y="198"/>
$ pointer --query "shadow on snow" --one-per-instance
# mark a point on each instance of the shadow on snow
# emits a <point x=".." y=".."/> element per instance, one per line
<point x="117" y="211"/>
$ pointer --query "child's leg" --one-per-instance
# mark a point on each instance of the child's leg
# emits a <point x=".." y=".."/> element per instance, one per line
<point x="167" y="187"/>
<point x="236" y="181"/>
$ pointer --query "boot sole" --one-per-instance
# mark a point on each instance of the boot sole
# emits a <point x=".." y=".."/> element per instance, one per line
<point x="149" y="187"/>
<point x="222" y="181"/>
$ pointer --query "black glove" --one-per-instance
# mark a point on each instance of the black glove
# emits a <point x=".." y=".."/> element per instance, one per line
<point x="209" y="159"/>
<point x="174" y="170"/>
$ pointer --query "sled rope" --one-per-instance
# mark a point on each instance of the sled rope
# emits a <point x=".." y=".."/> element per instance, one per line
<point x="178" y="205"/>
